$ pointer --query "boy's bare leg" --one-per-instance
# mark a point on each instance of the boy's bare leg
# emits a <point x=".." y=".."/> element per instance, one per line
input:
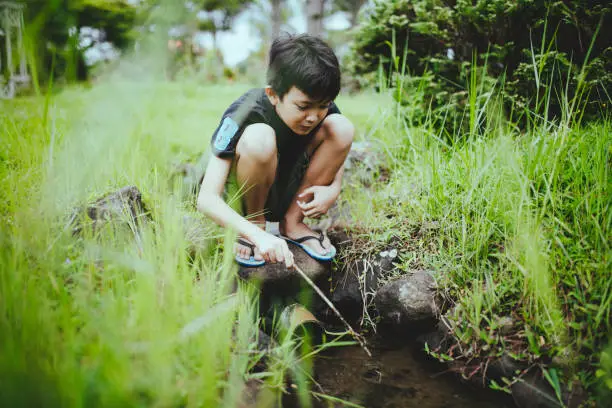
<point x="331" y="145"/>
<point x="256" y="162"/>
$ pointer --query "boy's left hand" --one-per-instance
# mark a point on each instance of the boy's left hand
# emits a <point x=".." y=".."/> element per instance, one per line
<point x="323" y="198"/>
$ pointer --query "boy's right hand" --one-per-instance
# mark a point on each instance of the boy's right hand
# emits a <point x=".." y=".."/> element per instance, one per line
<point x="274" y="249"/>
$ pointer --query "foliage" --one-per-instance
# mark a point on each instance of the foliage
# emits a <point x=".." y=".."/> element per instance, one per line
<point x="52" y="48"/>
<point x="121" y="316"/>
<point x="511" y="39"/>
<point x="517" y="225"/>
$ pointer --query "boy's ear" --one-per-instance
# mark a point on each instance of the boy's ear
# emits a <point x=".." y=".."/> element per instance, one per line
<point x="272" y="95"/>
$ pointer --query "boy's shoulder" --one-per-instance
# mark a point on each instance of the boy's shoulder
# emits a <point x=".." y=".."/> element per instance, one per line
<point x="252" y="105"/>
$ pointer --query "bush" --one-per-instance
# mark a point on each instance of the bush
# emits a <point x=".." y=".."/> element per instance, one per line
<point x="534" y="48"/>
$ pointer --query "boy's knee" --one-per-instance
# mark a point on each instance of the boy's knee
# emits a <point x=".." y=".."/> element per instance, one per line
<point x="341" y="130"/>
<point x="258" y="142"/>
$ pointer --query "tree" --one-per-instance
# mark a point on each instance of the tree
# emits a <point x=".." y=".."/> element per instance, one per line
<point x="315" y="11"/>
<point x="352" y="7"/>
<point x="277" y="16"/>
<point x="443" y="36"/>
<point x="49" y="25"/>
<point x="219" y="15"/>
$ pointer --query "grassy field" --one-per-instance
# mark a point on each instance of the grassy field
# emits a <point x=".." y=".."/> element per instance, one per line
<point x="517" y="223"/>
<point x="518" y="226"/>
<point x="108" y="320"/>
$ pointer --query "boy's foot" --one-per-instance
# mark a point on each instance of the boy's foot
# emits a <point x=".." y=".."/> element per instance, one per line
<point x="314" y="243"/>
<point x="247" y="253"/>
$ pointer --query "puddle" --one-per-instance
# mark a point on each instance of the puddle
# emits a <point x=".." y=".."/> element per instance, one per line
<point x="398" y="378"/>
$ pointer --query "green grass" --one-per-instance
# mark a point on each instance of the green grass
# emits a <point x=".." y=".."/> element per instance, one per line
<point x="516" y="224"/>
<point x="115" y="318"/>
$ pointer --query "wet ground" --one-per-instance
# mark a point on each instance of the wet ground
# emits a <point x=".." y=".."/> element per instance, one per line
<point x="398" y="377"/>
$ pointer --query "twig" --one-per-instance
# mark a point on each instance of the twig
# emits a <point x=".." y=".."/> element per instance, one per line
<point x="353" y="333"/>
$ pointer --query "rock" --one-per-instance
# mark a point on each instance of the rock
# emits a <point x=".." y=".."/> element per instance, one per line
<point x="278" y="285"/>
<point x="365" y="165"/>
<point x="190" y="175"/>
<point x="408" y="300"/>
<point x="124" y="205"/>
<point x="532" y="391"/>
<point x="352" y="287"/>
<point x="278" y="273"/>
<point x="438" y="340"/>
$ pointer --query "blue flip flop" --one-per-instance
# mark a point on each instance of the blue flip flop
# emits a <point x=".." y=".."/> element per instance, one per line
<point x="251" y="262"/>
<point x="300" y="242"/>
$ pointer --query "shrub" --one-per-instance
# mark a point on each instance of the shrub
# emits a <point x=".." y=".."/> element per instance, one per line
<point x="535" y="48"/>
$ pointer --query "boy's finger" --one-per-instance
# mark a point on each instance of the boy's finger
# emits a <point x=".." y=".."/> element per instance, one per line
<point x="308" y="206"/>
<point x="289" y="260"/>
<point x="307" y="191"/>
<point x="311" y="212"/>
<point x="288" y="256"/>
<point x="280" y="257"/>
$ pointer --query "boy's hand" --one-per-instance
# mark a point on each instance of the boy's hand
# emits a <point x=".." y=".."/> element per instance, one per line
<point x="323" y="198"/>
<point x="274" y="249"/>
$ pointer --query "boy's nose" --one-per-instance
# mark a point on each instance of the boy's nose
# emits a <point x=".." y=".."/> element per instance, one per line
<point x="312" y="117"/>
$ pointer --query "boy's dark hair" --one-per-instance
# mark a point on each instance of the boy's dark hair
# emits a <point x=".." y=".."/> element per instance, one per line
<point x="305" y="62"/>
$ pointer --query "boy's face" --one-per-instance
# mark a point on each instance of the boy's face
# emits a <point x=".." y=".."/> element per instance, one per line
<point x="299" y="111"/>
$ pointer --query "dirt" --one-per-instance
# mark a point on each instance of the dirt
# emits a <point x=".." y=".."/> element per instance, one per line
<point x="398" y="377"/>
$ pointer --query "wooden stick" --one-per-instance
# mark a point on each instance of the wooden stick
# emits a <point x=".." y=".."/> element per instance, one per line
<point x="353" y="333"/>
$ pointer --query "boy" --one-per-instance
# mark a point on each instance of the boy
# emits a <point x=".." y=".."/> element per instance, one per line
<point x="286" y="144"/>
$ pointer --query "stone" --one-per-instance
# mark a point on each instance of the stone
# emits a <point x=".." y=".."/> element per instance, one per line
<point x="278" y="272"/>
<point x="352" y="286"/>
<point x="124" y="205"/>
<point x="365" y="165"/>
<point x="278" y="285"/>
<point x="408" y="300"/>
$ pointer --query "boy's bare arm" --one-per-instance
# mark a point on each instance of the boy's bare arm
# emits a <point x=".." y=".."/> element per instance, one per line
<point x="210" y="202"/>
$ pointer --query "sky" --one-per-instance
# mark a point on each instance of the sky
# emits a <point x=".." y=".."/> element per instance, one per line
<point x="238" y="43"/>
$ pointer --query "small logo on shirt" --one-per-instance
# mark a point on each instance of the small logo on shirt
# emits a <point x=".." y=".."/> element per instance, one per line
<point x="225" y="134"/>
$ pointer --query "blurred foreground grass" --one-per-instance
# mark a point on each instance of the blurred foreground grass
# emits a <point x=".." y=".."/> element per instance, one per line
<point x="517" y="223"/>
<point x="110" y="320"/>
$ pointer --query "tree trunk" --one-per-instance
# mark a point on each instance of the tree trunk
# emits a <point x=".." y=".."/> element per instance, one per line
<point x="277" y="8"/>
<point x="314" y="16"/>
<point x="356" y="7"/>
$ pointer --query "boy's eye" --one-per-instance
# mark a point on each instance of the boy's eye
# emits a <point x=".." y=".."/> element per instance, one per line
<point x="302" y="108"/>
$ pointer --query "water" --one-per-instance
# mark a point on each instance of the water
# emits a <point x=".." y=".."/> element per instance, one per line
<point x="398" y="377"/>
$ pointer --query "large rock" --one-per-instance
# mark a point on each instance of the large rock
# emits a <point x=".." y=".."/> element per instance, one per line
<point x="408" y="300"/>
<point x="279" y="286"/>
<point x="352" y="286"/>
<point x="124" y="205"/>
<point x="278" y="273"/>
<point x="364" y="164"/>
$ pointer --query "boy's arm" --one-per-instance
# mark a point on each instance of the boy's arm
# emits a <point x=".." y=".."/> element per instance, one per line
<point x="337" y="182"/>
<point x="210" y="202"/>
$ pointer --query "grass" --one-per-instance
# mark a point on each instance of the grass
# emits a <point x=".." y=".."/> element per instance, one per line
<point x="516" y="223"/>
<point x="114" y="317"/>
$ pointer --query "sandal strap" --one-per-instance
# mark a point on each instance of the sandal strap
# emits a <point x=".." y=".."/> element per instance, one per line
<point x="320" y="239"/>
<point x="248" y="245"/>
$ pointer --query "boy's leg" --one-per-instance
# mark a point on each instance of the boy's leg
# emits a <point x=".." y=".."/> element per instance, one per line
<point x="256" y="162"/>
<point x="329" y="149"/>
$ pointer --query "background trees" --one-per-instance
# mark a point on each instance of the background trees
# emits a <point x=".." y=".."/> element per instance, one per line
<point x="532" y="44"/>
<point x="53" y="32"/>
